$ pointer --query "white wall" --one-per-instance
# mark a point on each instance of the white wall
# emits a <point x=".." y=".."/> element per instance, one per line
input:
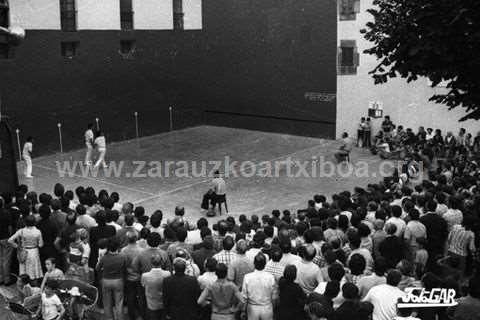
<point x="153" y="14"/>
<point x="98" y="14"/>
<point x="407" y="104"/>
<point x="35" y="14"/>
<point x="193" y="14"/>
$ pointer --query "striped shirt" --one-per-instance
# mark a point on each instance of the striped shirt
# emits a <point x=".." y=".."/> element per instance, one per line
<point x="225" y="257"/>
<point x="275" y="268"/>
<point x="460" y="241"/>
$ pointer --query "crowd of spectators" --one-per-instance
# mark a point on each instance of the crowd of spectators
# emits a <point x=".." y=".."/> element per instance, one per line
<point x="349" y="256"/>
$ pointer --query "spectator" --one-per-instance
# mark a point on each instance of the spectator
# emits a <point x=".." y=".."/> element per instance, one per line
<point x="153" y="282"/>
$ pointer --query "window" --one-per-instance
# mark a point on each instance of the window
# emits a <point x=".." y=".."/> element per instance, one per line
<point x="306" y="34"/>
<point x="69" y="49"/>
<point x="348" y="58"/>
<point x="126" y="15"/>
<point x="348" y="9"/>
<point x="178" y="14"/>
<point x="127" y="49"/>
<point x="4" y="13"/>
<point x="68" y="15"/>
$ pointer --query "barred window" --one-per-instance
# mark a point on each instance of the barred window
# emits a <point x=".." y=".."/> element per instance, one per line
<point x="4" y="22"/>
<point x="126" y="15"/>
<point x="178" y="14"/>
<point x="348" y="9"/>
<point x="348" y="58"/>
<point x="68" y="15"/>
<point x="69" y="49"/>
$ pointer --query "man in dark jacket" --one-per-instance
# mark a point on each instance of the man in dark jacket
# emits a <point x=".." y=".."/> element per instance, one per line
<point x="437" y="233"/>
<point x="352" y="308"/>
<point x="180" y="293"/>
<point x="391" y="248"/>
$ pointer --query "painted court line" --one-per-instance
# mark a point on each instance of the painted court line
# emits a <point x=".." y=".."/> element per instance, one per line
<point x="187" y="186"/>
<point x="95" y="180"/>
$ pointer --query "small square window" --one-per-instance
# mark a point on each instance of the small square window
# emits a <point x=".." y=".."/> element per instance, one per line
<point x="69" y="49"/>
<point x="127" y="48"/>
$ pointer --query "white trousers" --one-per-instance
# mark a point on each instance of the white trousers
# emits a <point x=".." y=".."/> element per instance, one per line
<point x="88" y="154"/>
<point x="101" y="157"/>
<point x="28" y="166"/>
<point x="255" y="312"/>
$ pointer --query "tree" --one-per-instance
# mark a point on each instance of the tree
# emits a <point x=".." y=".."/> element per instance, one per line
<point x="437" y="39"/>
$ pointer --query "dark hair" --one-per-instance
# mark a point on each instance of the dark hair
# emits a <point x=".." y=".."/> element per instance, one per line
<point x="290" y="273"/>
<point x="349" y="291"/>
<point x="101" y="218"/>
<point x="332" y="289"/>
<point x="259" y="261"/>
<point x="179" y="266"/>
<point x="210" y="264"/>
<point x="221" y="270"/>
<point x="336" y="271"/>
<point x="181" y="234"/>
<point x="154" y="239"/>
<point x="44" y="211"/>
<point x="380" y="266"/>
<point x="394" y="277"/>
<point x="113" y="244"/>
<point x="58" y="190"/>
<point x="276" y="253"/>
<point x="357" y="264"/>
<point x="29" y="221"/>
<point x="228" y="243"/>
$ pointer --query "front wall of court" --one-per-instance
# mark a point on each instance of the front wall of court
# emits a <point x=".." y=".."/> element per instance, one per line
<point x="266" y="65"/>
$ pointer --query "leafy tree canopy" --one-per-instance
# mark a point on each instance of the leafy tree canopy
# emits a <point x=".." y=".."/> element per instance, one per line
<point x="437" y="39"/>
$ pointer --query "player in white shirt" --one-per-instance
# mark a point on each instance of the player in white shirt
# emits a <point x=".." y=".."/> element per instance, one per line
<point x="89" y="138"/>
<point x="101" y="145"/>
<point x="27" y="156"/>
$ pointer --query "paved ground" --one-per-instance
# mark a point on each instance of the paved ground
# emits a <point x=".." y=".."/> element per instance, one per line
<point x="246" y="194"/>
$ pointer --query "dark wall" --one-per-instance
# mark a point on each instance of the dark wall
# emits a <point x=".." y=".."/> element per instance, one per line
<point x="249" y="67"/>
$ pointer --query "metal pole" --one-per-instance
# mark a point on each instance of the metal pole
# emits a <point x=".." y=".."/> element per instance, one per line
<point x="98" y="123"/>
<point x="19" y="146"/>
<point x="170" y="110"/>
<point x="136" y="124"/>
<point x="59" y="125"/>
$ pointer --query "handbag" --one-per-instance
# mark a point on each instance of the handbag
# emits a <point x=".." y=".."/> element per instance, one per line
<point x="21" y="252"/>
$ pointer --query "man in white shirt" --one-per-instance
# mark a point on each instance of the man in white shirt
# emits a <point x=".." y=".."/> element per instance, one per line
<point x="216" y="194"/>
<point x="259" y="291"/>
<point x="397" y="221"/>
<point x="384" y="297"/>
<point x="27" y="156"/>
<point x="101" y="145"/>
<point x="89" y="137"/>
<point x="308" y="273"/>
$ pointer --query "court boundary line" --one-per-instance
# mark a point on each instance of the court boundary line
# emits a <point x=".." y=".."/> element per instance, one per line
<point x="184" y="187"/>
<point x="70" y="174"/>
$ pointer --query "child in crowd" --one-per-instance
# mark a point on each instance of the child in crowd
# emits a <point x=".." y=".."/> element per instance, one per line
<point x="51" y="307"/>
<point x="52" y="273"/>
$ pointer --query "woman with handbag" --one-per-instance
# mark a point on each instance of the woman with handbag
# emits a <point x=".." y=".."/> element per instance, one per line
<point x="27" y="241"/>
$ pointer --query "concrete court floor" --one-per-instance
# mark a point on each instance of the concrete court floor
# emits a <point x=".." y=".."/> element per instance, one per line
<point x="245" y="195"/>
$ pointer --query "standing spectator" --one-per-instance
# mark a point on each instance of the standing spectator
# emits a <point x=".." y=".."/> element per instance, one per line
<point x="224" y="295"/>
<point x="112" y="269"/>
<point x="437" y="233"/>
<point x="128" y="227"/>
<point x="397" y="221"/>
<point x="384" y="297"/>
<point x="30" y="239"/>
<point x="27" y="156"/>
<point x="226" y="256"/>
<point x="352" y="308"/>
<point x="392" y="247"/>
<point x="413" y="231"/>
<point x="291" y="296"/>
<point x="361" y="132"/>
<point x="6" y="250"/>
<point x="461" y="241"/>
<point x="133" y="288"/>
<point x="143" y="262"/>
<point x="206" y="251"/>
<point x="241" y="265"/>
<point x="378" y="277"/>
<point x="58" y="217"/>
<point x="308" y="273"/>
<point x="83" y="219"/>
<point x="258" y="290"/>
<point x="49" y="234"/>
<point x="180" y="293"/>
<point x="153" y="281"/>
<point x="378" y="236"/>
<point x="209" y="276"/>
<point x="181" y="233"/>
<point x="101" y="231"/>
<point x="274" y="266"/>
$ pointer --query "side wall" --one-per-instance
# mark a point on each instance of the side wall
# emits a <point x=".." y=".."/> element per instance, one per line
<point x="251" y="65"/>
<point x="407" y="104"/>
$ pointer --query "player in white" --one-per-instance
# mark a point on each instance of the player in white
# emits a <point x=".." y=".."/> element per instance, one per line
<point x="27" y="156"/>
<point x="101" y="145"/>
<point x="89" y="137"/>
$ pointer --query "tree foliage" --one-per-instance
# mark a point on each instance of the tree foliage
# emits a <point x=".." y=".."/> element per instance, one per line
<point x="437" y="39"/>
